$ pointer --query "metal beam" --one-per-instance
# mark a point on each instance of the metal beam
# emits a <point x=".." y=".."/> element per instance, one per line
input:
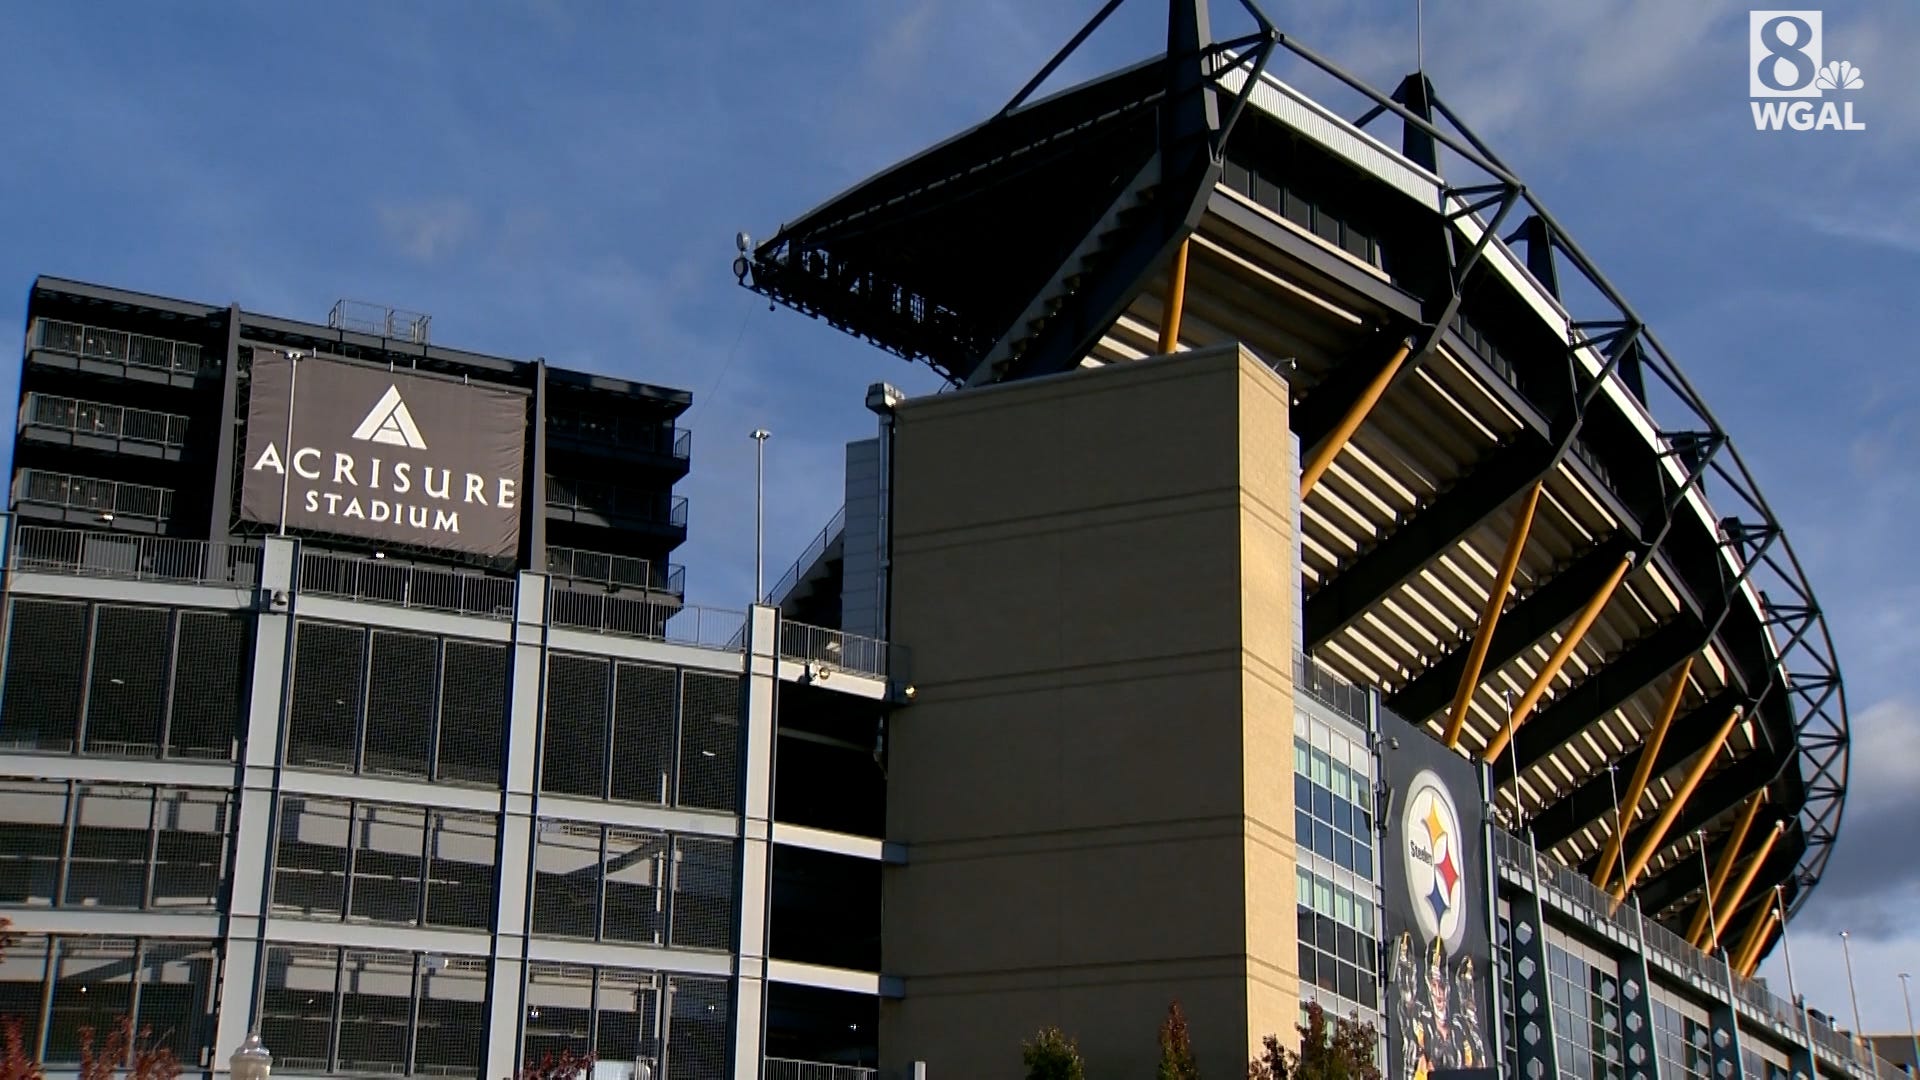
<point x="1727" y="789"/>
<point x="1490" y="614"/>
<point x="1703" y="920"/>
<point x="1535" y="616"/>
<point x="1323" y="454"/>
<point x="1650" y="843"/>
<point x="1593" y="800"/>
<point x="1176" y="301"/>
<point x="1754" y="864"/>
<point x="1628" y="808"/>
<point x="1569" y="641"/>
<point x="1599" y="694"/>
<point x="1410" y="548"/>
<point x="1765" y="920"/>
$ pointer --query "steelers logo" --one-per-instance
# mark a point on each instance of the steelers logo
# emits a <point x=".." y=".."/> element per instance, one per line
<point x="1433" y="846"/>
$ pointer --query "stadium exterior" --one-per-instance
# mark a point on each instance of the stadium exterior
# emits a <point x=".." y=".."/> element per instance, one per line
<point x="1321" y="586"/>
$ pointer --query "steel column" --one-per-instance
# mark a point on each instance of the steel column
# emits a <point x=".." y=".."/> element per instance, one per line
<point x="1628" y="807"/>
<point x="1672" y="810"/>
<point x="1729" y="854"/>
<point x="1753" y="867"/>
<point x="1490" y="614"/>
<point x="1176" y="300"/>
<point x="1356" y="415"/>
<point x="1532" y="1004"/>
<point x="1561" y="652"/>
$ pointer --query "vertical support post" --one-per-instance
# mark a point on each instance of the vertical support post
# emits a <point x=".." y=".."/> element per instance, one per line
<point x="1490" y="614"/>
<point x="1723" y="1023"/>
<point x="220" y="513"/>
<point x="244" y="923"/>
<point x="1729" y="855"/>
<point x="518" y="825"/>
<point x="749" y="997"/>
<point x="1532" y="1010"/>
<point x="1628" y="807"/>
<point x="534" y="504"/>
<point x="1561" y="652"/>
<point x="1329" y="448"/>
<point x="1636" y="1006"/>
<point x="1176" y="300"/>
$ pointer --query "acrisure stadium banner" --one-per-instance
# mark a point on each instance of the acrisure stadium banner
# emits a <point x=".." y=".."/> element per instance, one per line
<point x="1433" y="862"/>
<point x="384" y="455"/>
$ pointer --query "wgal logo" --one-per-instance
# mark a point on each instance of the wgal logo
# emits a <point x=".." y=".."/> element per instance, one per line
<point x="1791" y="89"/>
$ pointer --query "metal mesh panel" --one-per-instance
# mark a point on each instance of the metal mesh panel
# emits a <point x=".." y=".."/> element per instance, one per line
<point x="389" y="844"/>
<point x="452" y="1011"/>
<point x="401" y="676"/>
<point x="93" y="987"/>
<point x="710" y="742"/>
<point x="190" y="848"/>
<point x="23" y="976"/>
<point x="327" y="663"/>
<point x="696" y="1028"/>
<point x="626" y="1008"/>
<point x="127" y="694"/>
<point x="30" y="841"/>
<point x="559" y="1010"/>
<point x="703" y="874"/>
<point x="636" y="905"/>
<point x="46" y="666"/>
<point x="296" y="1008"/>
<point x="209" y="685"/>
<point x="643" y="700"/>
<point x="310" y="860"/>
<point x="177" y="980"/>
<point x="573" y="758"/>
<point x="376" y="1011"/>
<point x="461" y="851"/>
<point x="566" y="883"/>
<point x="111" y="831"/>
<point x="473" y="708"/>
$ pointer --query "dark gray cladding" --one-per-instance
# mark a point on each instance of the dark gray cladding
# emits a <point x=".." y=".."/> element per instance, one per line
<point x="1434" y="876"/>
<point x="383" y="454"/>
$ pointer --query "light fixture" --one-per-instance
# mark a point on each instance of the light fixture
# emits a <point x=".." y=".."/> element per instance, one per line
<point x="253" y="1061"/>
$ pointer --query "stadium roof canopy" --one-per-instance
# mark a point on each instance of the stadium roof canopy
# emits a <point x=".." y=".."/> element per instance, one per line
<point x="1468" y="386"/>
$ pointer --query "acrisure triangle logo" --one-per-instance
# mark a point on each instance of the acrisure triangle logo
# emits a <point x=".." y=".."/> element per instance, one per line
<point x="389" y="422"/>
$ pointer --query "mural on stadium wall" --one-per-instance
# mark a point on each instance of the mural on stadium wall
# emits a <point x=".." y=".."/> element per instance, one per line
<point x="1434" y="869"/>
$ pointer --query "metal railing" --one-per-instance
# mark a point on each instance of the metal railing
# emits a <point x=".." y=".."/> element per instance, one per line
<point x="88" y="493"/>
<point x="134" y="350"/>
<point x="379" y="320"/>
<point x="624" y="431"/>
<point x="835" y="649"/>
<point x="634" y="616"/>
<point x="615" y="571"/>
<point x="1329" y="689"/>
<point x="109" y="421"/>
<point x="808" y="554"/>
<point x="380" y="581"/>
<point x="790" y="1069"/>
<point x="82" y="553"/>
<point x="617" y="502"/>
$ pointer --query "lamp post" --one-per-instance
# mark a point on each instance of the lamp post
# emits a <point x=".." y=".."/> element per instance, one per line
<point x="760" y="437"/>
<point x="1912" y="1033"/>
<point x="1847" y="951"/>
<point x="253" y="1061"/>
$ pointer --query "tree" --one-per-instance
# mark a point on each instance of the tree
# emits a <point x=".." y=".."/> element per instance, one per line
<point x="1052" y="1056"/>
<point x="567" y="1066"/>
<point x="143" y="1056"/>
<point x="1344" y="1053"/>
<point x="15" y="1062"/>
<point x="1176" y="1047"/>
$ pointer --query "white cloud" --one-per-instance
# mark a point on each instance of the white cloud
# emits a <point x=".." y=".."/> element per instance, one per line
<point x="426" y="230"/>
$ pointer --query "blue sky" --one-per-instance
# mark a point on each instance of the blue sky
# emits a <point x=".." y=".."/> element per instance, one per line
<point x="565" y="180"/>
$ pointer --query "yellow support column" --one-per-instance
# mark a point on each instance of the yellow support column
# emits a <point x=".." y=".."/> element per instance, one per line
<point x="1757" y="935"/>
<point x="1672" y="810"/>
<point x="1176" y="301"/>
<point x="1629" y="807"/>
<point x="1570" y="641"/>
<point x="1490" y="615"/>
<point x="1753" y="866"/>
<point x="1722" y="870"/>
<point x="1350" y="423"/>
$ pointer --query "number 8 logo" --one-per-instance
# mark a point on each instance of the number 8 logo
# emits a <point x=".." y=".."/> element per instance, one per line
<point x="1793" y="52"/>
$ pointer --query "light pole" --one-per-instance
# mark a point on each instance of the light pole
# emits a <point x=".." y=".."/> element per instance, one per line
<point x="1912" y="1033"/>
<point x="760" y="437"/>
<point x="253" y="1061"/>
<point x="1847" y="951"/>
